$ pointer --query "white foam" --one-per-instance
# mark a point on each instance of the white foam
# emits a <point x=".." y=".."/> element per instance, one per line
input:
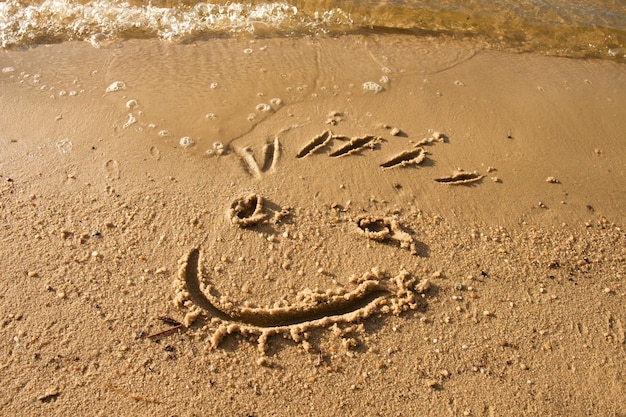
<point x="64" y="146"/>
<point x="372" y="86"/>
<point x="131" y="121"/>
<point x="99" y="21"/>
<point x="276" y="102"/>
<point x="115" y="86"/>
<point x="264" y="107"/>
<point x="186" y="142"/>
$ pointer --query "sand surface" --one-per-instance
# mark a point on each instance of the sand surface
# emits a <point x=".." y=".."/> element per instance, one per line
<point x="255" y="228"/>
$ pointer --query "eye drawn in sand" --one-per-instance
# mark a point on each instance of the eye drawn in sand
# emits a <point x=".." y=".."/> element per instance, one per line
<point x="461" y="178"/>
<point x="385" y="229"/>
<point x="410" y="157"/>
<point x="250" y="210"/>
<point x="269" y="157"/>
<point x="374" y="292"/>
<point x="247" y="211"/>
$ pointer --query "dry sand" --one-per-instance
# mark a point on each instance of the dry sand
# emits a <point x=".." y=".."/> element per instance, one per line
<point x="138" y="279"/>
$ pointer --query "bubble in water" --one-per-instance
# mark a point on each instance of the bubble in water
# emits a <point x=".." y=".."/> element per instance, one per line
<point x="213" y="86"/>
<point x="384" y="79"/>
<point x="131" y="104"/>
<point x="8" y="69"/>
<point x="64" y="146"/>
<point x="116" y="86"/>
<point x="62" y="93"/>
<point x="186" y="142"/>
<point x="263" y="107"/>
<point x="247" y="51"/>
<point x="276" y="102"/>
<point x="372" y="86"/>
<point x="164" y="133"/>
<point x="251" y="116"/>
<point x="210" y="116"/>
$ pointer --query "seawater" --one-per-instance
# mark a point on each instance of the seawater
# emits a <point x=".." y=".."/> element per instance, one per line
<point x="573" y="28"/>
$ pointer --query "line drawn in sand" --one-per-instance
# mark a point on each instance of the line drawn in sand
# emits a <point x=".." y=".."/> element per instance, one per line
<point x="375" y="292"/>
<point x="356" y="145"/>
<point x="461" y="178"/>
<point x="405" y="158"/>
<point x="270" y="154"/>
<point x="316" y="144"/>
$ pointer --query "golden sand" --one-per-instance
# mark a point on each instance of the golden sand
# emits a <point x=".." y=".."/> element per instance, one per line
<point x="180" y="239"/>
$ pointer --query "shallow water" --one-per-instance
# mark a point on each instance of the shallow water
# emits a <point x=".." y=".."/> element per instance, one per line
<point x="565" y="28"/>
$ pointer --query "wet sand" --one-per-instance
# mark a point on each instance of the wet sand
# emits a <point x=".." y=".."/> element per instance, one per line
<point x="435" y="229"/>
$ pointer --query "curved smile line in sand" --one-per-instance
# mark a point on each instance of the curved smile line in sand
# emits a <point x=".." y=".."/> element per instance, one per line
<point x="375" y="292"/>
<point x="369" y="295"/>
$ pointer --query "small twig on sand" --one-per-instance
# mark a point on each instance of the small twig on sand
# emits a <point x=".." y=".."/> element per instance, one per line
<point x="165" y="332"/>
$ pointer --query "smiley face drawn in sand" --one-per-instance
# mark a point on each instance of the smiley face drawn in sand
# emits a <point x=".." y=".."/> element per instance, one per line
<point x="271" y="270"/>
<point x="201" y="289"/>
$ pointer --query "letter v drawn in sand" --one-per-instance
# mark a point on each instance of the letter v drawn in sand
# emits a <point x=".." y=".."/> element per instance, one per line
<point x="270" y="154"/>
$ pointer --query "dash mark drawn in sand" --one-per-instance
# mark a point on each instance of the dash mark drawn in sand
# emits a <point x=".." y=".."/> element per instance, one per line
<point x="316" y="144"/>
<point x="356" y="145"/>
<point x="410" y="157"/>
<point x="461" y="178"/>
